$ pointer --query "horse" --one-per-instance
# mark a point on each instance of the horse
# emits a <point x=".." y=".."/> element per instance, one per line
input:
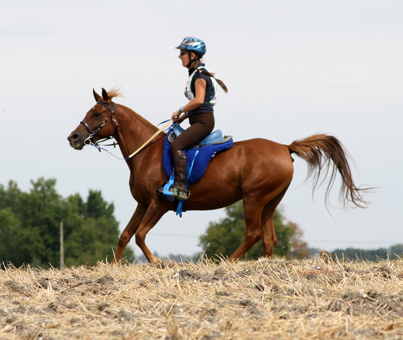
<point x="257" y="171"/>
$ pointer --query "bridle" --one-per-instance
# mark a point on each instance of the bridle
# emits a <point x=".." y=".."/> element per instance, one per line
<point x="95" y="130"/>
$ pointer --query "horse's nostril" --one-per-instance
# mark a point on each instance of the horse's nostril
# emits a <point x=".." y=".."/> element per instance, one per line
<point x="72" y="137"/>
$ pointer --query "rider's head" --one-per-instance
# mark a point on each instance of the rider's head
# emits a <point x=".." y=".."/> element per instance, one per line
<point x="195" y="48"/>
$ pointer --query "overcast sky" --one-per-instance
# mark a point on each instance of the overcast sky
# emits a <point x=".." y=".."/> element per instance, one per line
<point x="293" y="68"/>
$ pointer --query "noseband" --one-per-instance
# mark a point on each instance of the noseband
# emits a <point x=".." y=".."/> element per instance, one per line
<point x="94" y="131"/>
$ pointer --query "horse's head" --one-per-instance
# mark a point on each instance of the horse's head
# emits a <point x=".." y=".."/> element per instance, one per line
<point x="98" y="123"/>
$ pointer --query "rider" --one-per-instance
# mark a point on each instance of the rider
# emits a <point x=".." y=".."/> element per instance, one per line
<point x="201" y="92"/>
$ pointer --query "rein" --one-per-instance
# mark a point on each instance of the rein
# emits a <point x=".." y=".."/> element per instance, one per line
<point x="98" y="128"/>
<point x="149" y="140"/>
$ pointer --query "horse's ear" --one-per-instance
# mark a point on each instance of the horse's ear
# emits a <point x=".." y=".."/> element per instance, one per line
<point x="105" y="95"/>
<point x="96" y="96"/>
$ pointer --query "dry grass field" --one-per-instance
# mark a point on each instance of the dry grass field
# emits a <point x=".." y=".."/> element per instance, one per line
<point x="266" y="299"/>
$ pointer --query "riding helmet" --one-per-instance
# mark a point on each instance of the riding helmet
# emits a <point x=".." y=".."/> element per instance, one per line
<point x="193" y="45"/>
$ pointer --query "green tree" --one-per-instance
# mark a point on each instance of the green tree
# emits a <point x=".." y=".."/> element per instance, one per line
<point x="396" y="250"/>
<point x="9" y="195"/>
<point x="92" y="230"/>
<point x="225" y="236"/>
<point x="299" y="248"/>
<point x="30" y="221"/>
<point x="10" y="232"/>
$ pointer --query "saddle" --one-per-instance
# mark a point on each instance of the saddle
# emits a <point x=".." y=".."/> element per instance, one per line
<point x="198" y="158"/>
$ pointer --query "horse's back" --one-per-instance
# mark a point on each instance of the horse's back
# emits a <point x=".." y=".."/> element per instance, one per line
<point x="265" y="158"/>
<point x="251" y="154"/>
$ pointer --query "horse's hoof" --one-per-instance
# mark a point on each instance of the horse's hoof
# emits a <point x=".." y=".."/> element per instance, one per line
<point x="154" y="260"/>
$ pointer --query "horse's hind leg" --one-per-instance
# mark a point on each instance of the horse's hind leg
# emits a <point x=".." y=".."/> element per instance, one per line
<point x="259" y="224"/>
<point x="253" y="233"/>
<point x="129" y="231"/>
<point x="269" y="238"/>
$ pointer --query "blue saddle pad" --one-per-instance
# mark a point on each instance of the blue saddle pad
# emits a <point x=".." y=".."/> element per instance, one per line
<point x="205" y="155"/>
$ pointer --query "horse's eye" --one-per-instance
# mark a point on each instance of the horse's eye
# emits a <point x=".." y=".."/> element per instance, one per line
<point x="97" y="114"/>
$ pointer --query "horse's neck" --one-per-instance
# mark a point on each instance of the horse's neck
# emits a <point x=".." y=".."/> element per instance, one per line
<point x="133" y="131"/>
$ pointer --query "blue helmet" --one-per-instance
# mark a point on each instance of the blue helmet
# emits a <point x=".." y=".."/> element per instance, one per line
<point x="193" y="45"/>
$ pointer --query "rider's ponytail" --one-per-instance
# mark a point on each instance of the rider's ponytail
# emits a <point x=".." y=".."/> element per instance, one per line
<point x="220" y="82"/>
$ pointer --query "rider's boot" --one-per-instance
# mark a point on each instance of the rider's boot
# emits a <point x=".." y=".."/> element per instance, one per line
<point x="179" y="187"/>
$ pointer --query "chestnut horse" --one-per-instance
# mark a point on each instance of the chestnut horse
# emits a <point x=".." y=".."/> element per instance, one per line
<point x="258" y="171"/>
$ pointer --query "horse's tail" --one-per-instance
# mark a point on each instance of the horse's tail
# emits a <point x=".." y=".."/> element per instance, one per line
<point x="325" y="153"/>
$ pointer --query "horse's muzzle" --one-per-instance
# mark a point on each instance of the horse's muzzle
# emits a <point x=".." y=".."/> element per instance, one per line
<point x="77" y="140"/>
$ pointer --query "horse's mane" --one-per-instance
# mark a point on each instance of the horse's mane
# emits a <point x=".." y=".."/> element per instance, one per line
<point x="115" y="92"/>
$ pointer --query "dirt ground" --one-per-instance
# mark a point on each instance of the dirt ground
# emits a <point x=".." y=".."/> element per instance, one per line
<point x="265" y="299"/>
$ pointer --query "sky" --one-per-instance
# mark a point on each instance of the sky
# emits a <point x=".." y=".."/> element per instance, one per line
<point x="292" y="68"/>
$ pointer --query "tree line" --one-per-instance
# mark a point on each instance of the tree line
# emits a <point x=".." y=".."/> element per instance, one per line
<point x="30" y="226"/>
<point x="393" y="252"/>
<point x="30" y="231"/>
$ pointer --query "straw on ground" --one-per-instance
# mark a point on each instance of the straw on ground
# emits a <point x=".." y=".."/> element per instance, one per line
<point x="276" y="299"/>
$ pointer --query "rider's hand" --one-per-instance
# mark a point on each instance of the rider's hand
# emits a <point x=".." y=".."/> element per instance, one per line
<point x="176" y="115"/>
<point x="178" y="118"/>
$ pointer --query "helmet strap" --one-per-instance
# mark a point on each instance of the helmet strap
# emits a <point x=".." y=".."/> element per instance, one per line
<point x="191" y="61"/>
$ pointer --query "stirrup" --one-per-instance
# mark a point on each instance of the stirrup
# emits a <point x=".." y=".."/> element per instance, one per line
<point x="179" y="194"/>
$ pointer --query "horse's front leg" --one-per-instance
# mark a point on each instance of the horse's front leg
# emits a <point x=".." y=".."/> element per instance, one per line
<point x="154" y="212"/>
<point x="129" y="231"/>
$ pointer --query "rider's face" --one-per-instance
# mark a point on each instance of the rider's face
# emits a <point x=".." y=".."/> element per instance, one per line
<point x="184" y="56"/>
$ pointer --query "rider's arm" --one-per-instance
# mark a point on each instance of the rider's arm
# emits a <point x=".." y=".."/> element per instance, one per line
<point x="200" y="89"/>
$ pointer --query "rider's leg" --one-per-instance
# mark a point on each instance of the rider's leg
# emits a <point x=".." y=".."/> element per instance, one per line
<point x="201" y="127"/>
<point x="179" y="187"/>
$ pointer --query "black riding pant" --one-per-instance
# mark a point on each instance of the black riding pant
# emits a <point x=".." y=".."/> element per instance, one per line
<point x="201" y="126"/>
